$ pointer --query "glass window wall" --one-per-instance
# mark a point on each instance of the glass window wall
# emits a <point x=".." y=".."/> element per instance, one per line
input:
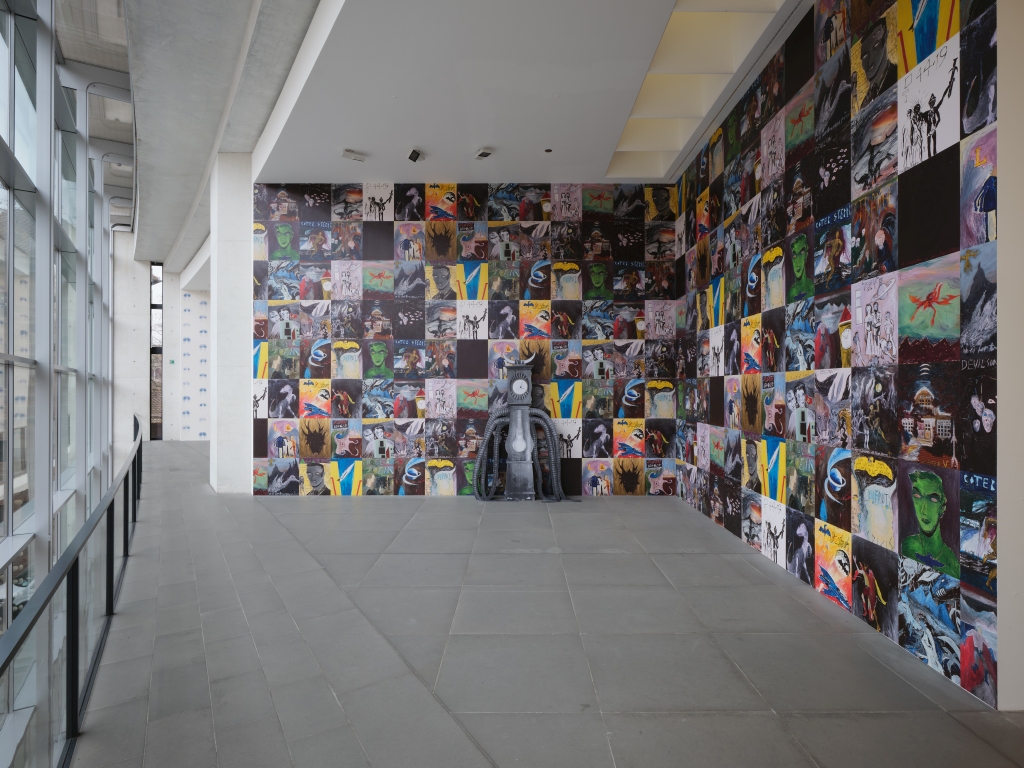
<point x="54" y="364"/>
<point x="25" y="133"/>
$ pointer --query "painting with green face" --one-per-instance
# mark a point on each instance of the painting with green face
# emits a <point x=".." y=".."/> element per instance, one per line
<point x="801" y="269"/>
<point x="929" y="525"/>
<point x="283" y="248"/>
<point x="376" y="367"/>
<point x="598" y="283"/>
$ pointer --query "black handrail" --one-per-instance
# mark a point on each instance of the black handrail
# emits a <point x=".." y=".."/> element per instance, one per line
<point x="66" y="569"/>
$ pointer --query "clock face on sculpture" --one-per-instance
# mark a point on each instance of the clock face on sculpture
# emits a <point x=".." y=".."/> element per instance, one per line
<point x="519" y="389"/>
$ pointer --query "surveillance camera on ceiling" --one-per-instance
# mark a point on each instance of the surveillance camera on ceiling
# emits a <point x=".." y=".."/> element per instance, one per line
<point x="483" y="152"/>
<point x="415" y="155"/>
<point x="351" y="154"/>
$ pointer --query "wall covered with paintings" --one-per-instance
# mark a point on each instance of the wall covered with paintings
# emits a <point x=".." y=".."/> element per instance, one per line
<point x="839" y="322"/>
<point x="385" y="316"/>
<point x="798" y="338"/>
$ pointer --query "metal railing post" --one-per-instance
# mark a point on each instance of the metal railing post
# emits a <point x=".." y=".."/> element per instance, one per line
<point x="110" y="559"/>
<point x="127" y="504"/>
<point x="135" y="488"/>
<point x="71" y="694"/>
<point x="138" y="474"/>
<point x="66" y="573"/>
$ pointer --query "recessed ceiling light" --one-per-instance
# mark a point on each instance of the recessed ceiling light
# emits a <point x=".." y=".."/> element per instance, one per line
<point x="483" y="152"/>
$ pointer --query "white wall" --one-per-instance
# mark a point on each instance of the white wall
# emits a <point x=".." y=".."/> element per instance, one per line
<point x="172" y="356"/>
<point x="1011" y="367"/>
<point x="230" y="338"/>
<point x="131" y="344"/>
<point x="186" y="361"/>
<point x="193" y="402"/>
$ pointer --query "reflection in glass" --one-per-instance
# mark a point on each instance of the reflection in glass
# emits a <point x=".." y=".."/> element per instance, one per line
<point x="66" y="429"/>
<point x="5" y="71"/>
<point x="23" y="584"/>
<point x="5" y="198"/>
<point x="68" y="310"/>
<point x="65" y="526"/>
<point x="156" y="284"/>
<point x="23" y="433"/>
<point x="25" y="94"/>
<point x="68" y="185"/>
<point x="156" y="328"/>
<point x="24" y="286"/>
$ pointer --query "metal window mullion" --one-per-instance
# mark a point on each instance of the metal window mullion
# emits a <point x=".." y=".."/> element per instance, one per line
<point x="10" y="76"/>
<point x="41" y="460"/>
<point x="83" y="424"/>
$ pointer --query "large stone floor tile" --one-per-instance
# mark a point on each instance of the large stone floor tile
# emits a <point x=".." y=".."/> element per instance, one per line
<point x="515" y="673"/>
<point x="667" y="673"/>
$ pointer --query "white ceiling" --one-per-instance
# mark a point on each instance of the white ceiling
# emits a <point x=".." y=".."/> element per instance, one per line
<point x="205" y="77"/>
<point x="450" y="76"/>
<point x="618" y="90"/>
<point x="708" y="49"/>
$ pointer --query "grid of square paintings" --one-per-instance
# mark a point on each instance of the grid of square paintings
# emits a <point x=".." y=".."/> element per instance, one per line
<point x="385" y="316"/>
<point x="840" y="390"/>
<point x="798" y="338"/>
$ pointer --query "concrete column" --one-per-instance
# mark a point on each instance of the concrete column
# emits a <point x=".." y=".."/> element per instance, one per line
<point x="172" y="352"/>
<point x="1010" y="606"/>
<point x="131" y="344"/>
<point x="230" y="323"/>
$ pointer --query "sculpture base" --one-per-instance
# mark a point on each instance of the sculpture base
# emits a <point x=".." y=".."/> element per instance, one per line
<point x="519" y="481"/>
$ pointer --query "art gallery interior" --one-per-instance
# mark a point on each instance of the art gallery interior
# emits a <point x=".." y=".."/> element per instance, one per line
<point x="554" y="383"/>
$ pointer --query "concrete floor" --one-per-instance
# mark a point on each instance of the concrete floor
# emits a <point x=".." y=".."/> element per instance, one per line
<point x="437" y="632"/>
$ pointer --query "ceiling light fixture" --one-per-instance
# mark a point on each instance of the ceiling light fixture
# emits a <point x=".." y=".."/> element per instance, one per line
<point x="549" y="150"/>
<point x="415" y="155"/>
<point x="351" y="154"/>
<point x="483" y="152"/>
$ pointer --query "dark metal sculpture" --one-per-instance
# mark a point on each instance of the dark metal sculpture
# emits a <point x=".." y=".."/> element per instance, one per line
<point x="518" y="424"/>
